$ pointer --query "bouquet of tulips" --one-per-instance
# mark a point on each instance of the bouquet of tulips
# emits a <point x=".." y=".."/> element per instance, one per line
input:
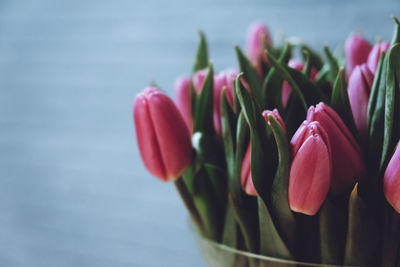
<point x="293" y="159"/>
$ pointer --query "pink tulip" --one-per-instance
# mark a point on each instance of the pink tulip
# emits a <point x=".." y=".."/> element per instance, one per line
<point x="347" y="161"/>
<point x="198" y="80"/>
<point x="257" y="36"/>
<point x="391" y="180"/>
<point x="374" y="55"/>
<point x="223" y="79"/>
<point x="357" y="50"/>
<point x="359" y="89"/>
<point x="162" y="136"/>
<point x="278" y="117"/>
<point x="286" y="89"/>
<point x="246" y="179"/>
<point x="311" y="169"/>
<point x="184" y="100"/>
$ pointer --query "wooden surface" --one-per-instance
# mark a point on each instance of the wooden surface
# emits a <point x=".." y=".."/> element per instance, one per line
<point x="73" y="190"/>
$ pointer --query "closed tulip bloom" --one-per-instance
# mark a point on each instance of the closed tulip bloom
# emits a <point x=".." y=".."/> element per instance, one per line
<point x="359" y="89"/>
<point x="223" y="79"/>
<point x="162" y="136"/>
<point x="374" y="55"/>
<point x="183" y="100"/>
<point x="274" y="113"/>
<point x="246" y="179"/>
<point x="347" y="161"/>
<point x="286" y="89"/>
<point x="311" y="169"/>
<point x="391" y="180"/>
<point x="198" y="80"/>
<point x="357" y="50"/>
<point x="258" y="35"/>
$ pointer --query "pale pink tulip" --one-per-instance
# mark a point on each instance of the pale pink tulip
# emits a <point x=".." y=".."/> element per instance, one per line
<point x="357" y="50"/>
<point x="183" y="100"/>
<point x="374" y="55"/>
<point x="391" y="180"/>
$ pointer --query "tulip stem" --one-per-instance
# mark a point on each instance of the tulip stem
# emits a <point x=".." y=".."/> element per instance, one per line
<point x="189" y="204"/>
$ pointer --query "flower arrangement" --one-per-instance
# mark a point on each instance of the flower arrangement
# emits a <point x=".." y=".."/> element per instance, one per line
<point x="298" y="160"/>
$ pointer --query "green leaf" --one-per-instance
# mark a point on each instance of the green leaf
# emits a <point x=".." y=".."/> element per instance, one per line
<point x="205" y="200"/>
<point x="340" y="101"/>
<point x="242" y="141"/>
<point x="281" y="212"/>
<point x="247" y="223"/>
<point x="272" y="86"/>
<point x="362" y="228"/>
<point x="202" y="54"/>
<point x="392" y="101"/>
<point x="203" y="116"/>
<point x="333" y="228"/>
<point x="249" y="74"/>
<point x="334" y="67"/>
<point x="376" y="112"/>
<point x="316" y="60"/>
<point x="189" y="203"/>
<point x="228" y="122"/>
<point x="271" y="243"/>
<point x="396" y="34"/>
<point x="230" y="232"/>
<point x="262" y="173"/>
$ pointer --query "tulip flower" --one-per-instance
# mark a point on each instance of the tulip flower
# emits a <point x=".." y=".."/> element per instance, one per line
<point x="311" y="169"/>
<point x="374" y="55"/>
<point x="162" y="136"/>
<point x="245" y="174"/>
<point x="357" y="50"/>
<point x="359" y="89"/>
<point x="246" y="179"/>
<point x="286" y="89"/>
<point x="198" y="80"/>
<point x="184" y="100"/>
<point x="223" y="79"/>
<point x="391" y="180"/>
<point x="258" y="36"/>
<point x="278" y="117"/>
<point x="347" y="160"/>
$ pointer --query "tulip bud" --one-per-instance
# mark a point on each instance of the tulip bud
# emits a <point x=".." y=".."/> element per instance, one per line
<point x="246" y="179"/>
<point x="286" y="89"/>
<point x="258" y="35"/>
<point x="359" y="89"/>
<point x="224" y="79"/>
<point x="391" y="180"/>
<point x="374" y="55"/>
<point x="347" y="160"/>
<point x="311" y="169"/>
<point x="184" y="100"/>
<point x="198" y="80"/>
<point x="357" y="50"/>
<point x="278" y="117"/>
<point x="162" y="136"/>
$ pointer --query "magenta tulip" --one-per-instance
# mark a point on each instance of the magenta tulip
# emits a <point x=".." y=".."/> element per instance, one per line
<point x="183" y="100"/>
<point x="347" y="161"/>
<point x="278" y="117"/>
<point x="374" y="55"/>
<point x="359" y="89"/>
<point x="223" y="79"/>
<point x="162" y="136"/>
<point x="286" y="89"/>
<point x="311" y="169"/>
<point x="246" y="179"/>
<point x="391" y="180"/>
<point x="357" y="50"/>
<point x="258" y="35"/>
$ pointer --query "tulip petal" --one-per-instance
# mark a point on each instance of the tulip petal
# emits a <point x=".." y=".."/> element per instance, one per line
<point x="391" y="180"/>
<point x="310" y="176"/>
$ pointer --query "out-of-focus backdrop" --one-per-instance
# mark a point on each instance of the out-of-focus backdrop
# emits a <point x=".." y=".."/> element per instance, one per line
<point x="73" y="190"/>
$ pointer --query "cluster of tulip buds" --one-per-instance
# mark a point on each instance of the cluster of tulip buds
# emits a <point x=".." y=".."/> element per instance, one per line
<point x="291" y="158"/>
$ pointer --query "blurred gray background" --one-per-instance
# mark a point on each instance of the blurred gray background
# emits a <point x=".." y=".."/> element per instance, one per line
<point x="73" y="189"/>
